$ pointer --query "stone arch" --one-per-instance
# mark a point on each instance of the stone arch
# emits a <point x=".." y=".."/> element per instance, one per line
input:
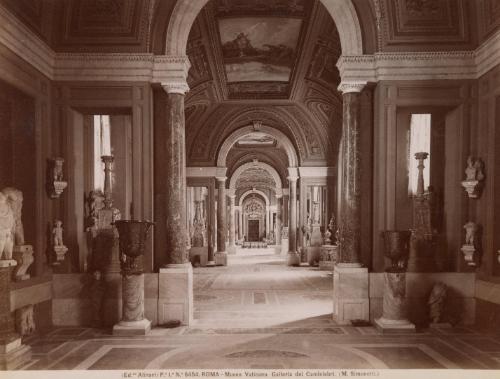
<point x="228" y="143"/>
<point x="343" y="13"/>
<point x="270" y="169"/>
<point x="258" y="192"/>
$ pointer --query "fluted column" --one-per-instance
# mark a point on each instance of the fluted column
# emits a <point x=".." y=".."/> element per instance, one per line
<point x="175" y="176"/>
<point x="350" y="201"/>
<point x="232" y="223"/>
<point x="293" y="257"/>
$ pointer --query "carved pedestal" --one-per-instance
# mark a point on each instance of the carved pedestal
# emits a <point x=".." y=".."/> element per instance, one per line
<point x="60" y="253"/>
<point x="24" y="257"/>
<point x="328" y="257"/>
<point x="13" y="353"/>
<point x="394" y="313"/>
<point x="468" y="252"/>
<point x="133" y="321"/>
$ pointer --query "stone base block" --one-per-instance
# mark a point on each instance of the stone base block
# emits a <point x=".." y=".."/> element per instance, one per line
<point x="293" y="259"/>
<point x="313" y="255"/>
<point x="13" y="353"/>
<point x="350" y="294"/>
<point x="394" y="326"/>
<point x="220" y="259"/>
<point x="277" y="249"/>
<point x="231" y="249"/>
<point x="175" y="294"/>
<point x="132" y="328"/>
<point x="202" y="252"/>
<point x="326" y="265"/>
<point x="284" y="246"/>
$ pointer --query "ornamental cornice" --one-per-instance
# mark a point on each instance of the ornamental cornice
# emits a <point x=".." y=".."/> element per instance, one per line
<point x="350" y="87"/>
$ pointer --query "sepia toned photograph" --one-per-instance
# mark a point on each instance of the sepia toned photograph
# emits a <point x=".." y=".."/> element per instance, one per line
<point x="249" y="188"/>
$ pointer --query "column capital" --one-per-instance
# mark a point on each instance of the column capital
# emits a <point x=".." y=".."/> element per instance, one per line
<point x="221" y="178"/>
<point x="231" y="193"/>
<point x="292" y="178"/>
<point x="351" y="87"/>
<point x="176" y="87"/>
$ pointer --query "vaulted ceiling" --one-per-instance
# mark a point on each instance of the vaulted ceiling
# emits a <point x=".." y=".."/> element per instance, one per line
<point x="271" y="61"/>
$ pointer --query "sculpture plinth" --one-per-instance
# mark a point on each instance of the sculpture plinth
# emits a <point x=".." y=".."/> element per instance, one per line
<point x="13" y="353"/>
<point x="328" y="257"/>
<point x="132" y="237"/>
<point x="394" y="314"/>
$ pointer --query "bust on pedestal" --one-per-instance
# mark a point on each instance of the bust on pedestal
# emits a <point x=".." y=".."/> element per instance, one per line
<point x="394" y="314"/>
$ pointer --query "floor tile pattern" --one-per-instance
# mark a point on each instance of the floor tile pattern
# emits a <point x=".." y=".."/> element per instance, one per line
<point x="258" y="313"/>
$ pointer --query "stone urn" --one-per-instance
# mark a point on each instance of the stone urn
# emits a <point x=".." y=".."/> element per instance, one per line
<point x="397" y="248"/>
<point x="132" y="237"/>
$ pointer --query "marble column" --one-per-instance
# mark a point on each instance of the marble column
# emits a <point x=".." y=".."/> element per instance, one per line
<point x="268" y="226"/>
<point x="176" y="279"/>
<point x="232" y="224"/>
<point x="279" y="212"/>
<point x="221" y="255"/>
<point x="350" y="279"/>
<point x="394" y="307"/>
<point x="13" y="353"/>
<point x="240" y="223"/>
<point x="293" y="258"/>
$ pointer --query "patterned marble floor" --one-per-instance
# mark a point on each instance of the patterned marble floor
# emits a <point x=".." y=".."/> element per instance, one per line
<point x="257" y="313"/>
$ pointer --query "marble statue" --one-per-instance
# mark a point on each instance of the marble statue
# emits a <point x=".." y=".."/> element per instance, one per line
<point x="15" y="199"/>
<point x="436" y="302"/>
<point x="7" y="224"/>
<point x="471" y="229"/>
<point x="57" y="233"/>
<point x="474" y="170"/>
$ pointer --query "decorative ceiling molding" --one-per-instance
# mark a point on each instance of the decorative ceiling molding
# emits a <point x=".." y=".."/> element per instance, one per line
<point x="254" y="191"/>
<point x="159" y="69"/>
<point x="231" y="139"/>
<point x="256" y="164"/>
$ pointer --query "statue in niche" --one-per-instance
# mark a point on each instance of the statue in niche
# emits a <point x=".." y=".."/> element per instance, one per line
<point x="7" y="224"/>
<point x="436" y="302"/>
<point x="474" y="170"/>
<point x="471" y="229"/>
<point x="15" y="200"/>
<point x="57" y="233"/>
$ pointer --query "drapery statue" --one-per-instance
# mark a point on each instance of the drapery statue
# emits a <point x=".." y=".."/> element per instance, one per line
<point x="7" y="224"/>
<point x="15" y="200"/>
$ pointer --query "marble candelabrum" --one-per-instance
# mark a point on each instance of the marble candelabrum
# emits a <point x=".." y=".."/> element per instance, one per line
<point x="13" y="353"/>
<point x="133" y="235"/>
<point x="55" y="183"/>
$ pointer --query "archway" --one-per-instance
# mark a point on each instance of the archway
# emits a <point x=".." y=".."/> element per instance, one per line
<point x="186" y="11"/>
<point x="271" y="170"/>
<point x="229" y="142"/>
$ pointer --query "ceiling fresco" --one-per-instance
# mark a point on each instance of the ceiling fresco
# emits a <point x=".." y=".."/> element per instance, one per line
<point x="259" y="48"/>
<point x="256" y="139"/>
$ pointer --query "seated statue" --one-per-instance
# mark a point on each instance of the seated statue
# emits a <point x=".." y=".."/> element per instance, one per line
<point x="7" y="224"/>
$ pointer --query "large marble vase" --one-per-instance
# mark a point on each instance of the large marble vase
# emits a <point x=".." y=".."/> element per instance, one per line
<point x="132" y="236"/>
